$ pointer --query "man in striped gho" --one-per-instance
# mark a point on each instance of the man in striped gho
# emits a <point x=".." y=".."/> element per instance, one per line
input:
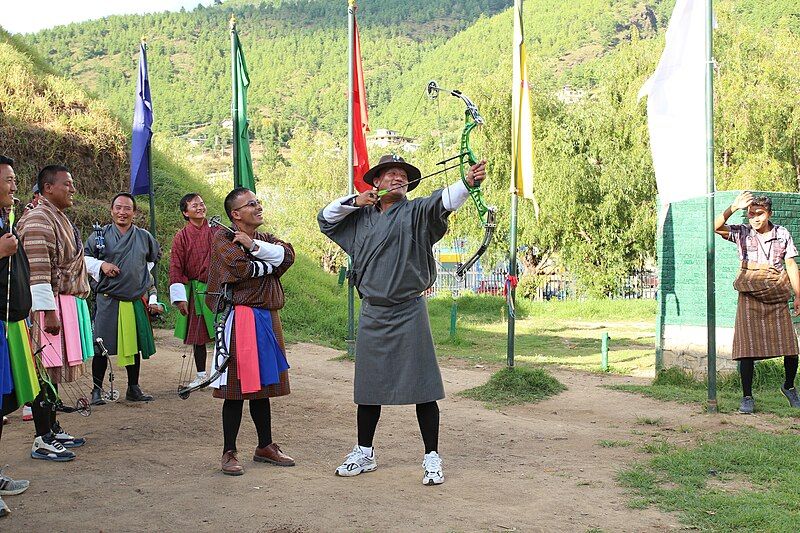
<point x="61" y="325"/>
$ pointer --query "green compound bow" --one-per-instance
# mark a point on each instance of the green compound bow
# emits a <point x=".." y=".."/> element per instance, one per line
<point x="466" y="158"/>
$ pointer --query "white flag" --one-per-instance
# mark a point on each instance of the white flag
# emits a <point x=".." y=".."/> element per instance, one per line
<point x="676" y="106"/>
<point x="521" y="124"/>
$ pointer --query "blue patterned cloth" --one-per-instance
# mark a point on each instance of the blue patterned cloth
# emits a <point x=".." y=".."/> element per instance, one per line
<point x="271" y="359"/>
<point x="6" y="379"/>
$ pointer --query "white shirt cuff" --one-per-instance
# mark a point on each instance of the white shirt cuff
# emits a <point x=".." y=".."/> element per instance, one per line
<point x="271" y="253"/>
<point x="43" y="297"/>
<point x="337" y="211"/>
<point x="93" y="266"/>
<point x="455" y="195"/>
<point x="177" y="293"/>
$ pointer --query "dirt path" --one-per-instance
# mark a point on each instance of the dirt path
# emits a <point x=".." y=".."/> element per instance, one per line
<point x="155" y="467"/>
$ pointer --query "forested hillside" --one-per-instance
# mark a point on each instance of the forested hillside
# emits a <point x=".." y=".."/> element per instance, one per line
<point x="594" y="175"/>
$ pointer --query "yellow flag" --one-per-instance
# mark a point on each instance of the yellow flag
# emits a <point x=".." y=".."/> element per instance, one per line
<point x="521" y="125"/>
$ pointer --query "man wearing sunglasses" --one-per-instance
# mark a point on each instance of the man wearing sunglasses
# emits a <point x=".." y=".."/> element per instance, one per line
<point x="390" y="239"/>
<point x="246" y="267"/>
<point x="119" y="258"/>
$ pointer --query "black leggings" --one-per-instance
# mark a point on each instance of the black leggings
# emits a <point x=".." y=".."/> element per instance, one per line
<point x="747" y="368"/>
<point x="232" y="419"/>
<point x="44" y="417"/>
<point x="100" y="365"/>
<point x="427" y="417"/>
<point x="200" y="355"/>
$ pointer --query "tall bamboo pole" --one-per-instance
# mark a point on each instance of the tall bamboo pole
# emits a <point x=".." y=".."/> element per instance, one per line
<point x="234" y="105"/>
<point x="512" y="271"/>
<point x="151" y="189"/>
<point x="351" y="13"/>
<point x="711" y="305"/>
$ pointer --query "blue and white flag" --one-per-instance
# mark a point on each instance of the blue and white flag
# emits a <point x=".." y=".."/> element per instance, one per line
<point x="142" y="129"/>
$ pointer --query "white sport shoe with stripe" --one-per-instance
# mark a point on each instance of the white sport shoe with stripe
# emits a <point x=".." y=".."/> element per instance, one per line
<point x="432" y="465"/>
<point x="357" y="462"/>
<point x="48" y="448"/>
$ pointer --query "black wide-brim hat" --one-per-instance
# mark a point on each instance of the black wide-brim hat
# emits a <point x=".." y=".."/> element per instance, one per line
<point x="394" y="161"/>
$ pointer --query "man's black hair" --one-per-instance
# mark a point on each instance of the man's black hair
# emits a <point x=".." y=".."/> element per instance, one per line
<point x="126" y="195"/>
<point x="6" y="161"/>
<point x="184" y="203"/>
<point x="48" y="175"/>
<point x="231" y="198"/>
<point x="763" y="201"/>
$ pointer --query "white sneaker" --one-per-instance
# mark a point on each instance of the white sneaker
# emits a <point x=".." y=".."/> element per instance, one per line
<point x="12" y="487"/>
<point x="67" y="440"/>
<point x="48" y="448"/>
<point x="356" y="463"/>
<point x="201" y="377"/>
<point x="432" y="465"/>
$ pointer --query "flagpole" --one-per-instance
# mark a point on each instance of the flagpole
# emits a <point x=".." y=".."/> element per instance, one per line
<point x="711" y="309"/>
<point x="150" y="192"/>
<point x="234" y="106"/>
<point x="512" y="271"/>
<point x="351" y="14"/>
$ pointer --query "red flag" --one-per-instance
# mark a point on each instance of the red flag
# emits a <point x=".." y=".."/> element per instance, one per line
<point x="360" y="121"/>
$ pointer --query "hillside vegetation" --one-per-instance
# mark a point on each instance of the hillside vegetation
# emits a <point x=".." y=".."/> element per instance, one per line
<point x="594" y="173"/>
<point x="46" y="119"/>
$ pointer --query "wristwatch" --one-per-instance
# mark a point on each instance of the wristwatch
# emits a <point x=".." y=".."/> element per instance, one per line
<point x="352" y="201"/>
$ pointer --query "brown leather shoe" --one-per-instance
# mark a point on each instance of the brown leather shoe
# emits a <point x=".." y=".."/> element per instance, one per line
<point x="230" y="465"/>
<point x="272" y="454"/>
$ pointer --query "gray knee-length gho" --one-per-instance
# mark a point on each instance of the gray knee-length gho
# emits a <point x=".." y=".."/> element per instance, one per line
<point x="393" y="264"/>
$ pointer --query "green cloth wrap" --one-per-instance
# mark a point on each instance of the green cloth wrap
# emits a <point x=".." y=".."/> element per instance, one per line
<point x="85" y="325"/>
<point x="134" y="333"/>
<point x="195" y="293"/>
<point x="26" y="383"/>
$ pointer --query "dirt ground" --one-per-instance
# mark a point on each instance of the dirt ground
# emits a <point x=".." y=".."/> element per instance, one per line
<point x="155" y="467"/>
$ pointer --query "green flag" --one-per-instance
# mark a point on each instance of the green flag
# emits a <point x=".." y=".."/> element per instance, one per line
<point x="242" y="160"/>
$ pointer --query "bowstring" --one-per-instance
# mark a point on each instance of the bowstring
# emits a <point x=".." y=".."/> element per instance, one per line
<point x="423" y="94"/>
<point x="446" y="175"/>
<point x="189" y="362"/>
<point x="74" y="391"/>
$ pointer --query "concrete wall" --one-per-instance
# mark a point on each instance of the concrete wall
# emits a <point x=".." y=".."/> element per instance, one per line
<point x="681" y="249"/>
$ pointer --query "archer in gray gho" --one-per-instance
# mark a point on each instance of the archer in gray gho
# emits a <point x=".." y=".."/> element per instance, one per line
<point x="390" y="240"/>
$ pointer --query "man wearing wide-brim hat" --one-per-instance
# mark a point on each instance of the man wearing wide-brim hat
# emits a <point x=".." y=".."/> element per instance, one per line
<point x="390" y="240"/>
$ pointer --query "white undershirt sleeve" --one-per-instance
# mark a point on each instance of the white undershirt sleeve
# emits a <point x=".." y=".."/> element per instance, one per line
<point x="455" y="195"/>
<point x="177" y="293"/>
<point x="337" y="211"/>
<point x="43" y="297"/>
<point x="271" y="253"/>
<point x="93" y="266"/>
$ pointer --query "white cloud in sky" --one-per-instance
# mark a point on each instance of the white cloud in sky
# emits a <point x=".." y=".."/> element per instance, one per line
<point x="25" y="16"/>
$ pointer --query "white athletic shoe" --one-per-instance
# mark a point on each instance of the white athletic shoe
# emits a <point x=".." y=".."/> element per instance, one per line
<point x="432" y="465"/>
<point x="48" y="448"/>
<point x="201" y="376"/>
<point x="12" y="487"/>
<point x="356" y="463"/>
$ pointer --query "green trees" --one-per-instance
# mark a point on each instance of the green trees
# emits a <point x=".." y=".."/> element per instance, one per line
<point x="588" y="59"/>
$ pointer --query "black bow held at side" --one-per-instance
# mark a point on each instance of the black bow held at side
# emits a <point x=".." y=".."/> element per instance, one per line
<point x="222" y="356"/>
